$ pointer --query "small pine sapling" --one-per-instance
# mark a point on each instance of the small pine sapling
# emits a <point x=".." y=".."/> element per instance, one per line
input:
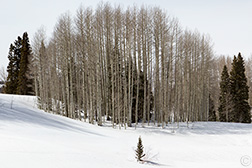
<point x="139" y="151"/>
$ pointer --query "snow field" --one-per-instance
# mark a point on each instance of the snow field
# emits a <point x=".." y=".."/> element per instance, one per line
<point x="32" y="138"/>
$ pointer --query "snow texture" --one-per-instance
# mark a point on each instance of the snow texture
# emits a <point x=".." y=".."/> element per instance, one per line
<point x="31" y="138"/>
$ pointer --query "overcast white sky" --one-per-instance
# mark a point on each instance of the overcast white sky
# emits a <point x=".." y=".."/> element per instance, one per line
<point x="228" y="22"/>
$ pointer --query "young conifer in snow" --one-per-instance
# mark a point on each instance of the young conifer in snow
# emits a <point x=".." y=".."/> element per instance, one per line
<point x="139" y="151"/>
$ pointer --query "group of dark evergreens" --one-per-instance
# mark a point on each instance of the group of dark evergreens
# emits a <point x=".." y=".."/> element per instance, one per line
<point x="19" y="80"/>
<point x="234" y="96"/>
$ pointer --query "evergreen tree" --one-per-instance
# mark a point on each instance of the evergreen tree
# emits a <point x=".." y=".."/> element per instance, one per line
<point x="239" y="92"/>
<point x="13" y="67"/>
<point x="225" y="101"/>
<point x="140" y="98"/>
<point x="139" y="151"/>
<point x="24" y="79"/>
<point x="211" y="113"/>
<point x="10" y="88"/>
<point x="17" y="59"/>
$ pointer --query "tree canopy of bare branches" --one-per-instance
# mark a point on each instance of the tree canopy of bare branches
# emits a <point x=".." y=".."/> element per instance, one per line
<point x="128" y="66"/>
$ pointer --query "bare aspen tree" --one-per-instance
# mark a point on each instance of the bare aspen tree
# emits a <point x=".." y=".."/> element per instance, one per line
<point x="164" y="29"/>
<point x="134" y="24"/>
<point x="99" y="63"/>
<point x="144" y="16"/>
<point x="124" y="70"/>
<point x="185" y="47"/>
<point x="118" y="62"/>
<point x="157" y="21"/>
<point x="37" y="42"/>
<point x="64" y="41"/>
<point x="52" y="82"/>
<point x="129" y="40"/>
<point x="148" y="62"/>
<point x="108" y="52"/>
<point x="81" y="53"/>
<point x="90" y="61"/>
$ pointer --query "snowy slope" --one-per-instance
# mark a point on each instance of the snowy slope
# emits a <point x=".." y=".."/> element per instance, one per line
<point x="31" y="138"/>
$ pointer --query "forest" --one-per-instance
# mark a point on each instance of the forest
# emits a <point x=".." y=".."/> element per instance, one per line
<point x="128" y="67"/>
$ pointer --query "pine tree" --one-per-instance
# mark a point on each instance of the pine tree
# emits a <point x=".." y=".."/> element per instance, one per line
<point x="14" y="66"/>
<point x="225" y="101"/>
<point x="24" y="80"/>
<point x="139" y="151"/>
<point x="239" y="92"/>
<point x="140" y="98"/>
<point x="9" y="89"/>
<point x="17" y="59"/>
<point x="211" y="113"/>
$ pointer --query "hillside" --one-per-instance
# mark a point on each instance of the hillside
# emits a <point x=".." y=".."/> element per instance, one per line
<point x="31" y="138"/>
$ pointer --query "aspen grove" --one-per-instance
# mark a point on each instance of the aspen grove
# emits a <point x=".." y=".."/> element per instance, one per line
<point x="124" y="66"/>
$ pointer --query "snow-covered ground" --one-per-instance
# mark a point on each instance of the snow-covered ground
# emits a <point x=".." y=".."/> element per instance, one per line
<point x="31" y="138"/>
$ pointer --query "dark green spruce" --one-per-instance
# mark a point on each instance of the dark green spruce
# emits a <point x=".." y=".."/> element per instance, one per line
<point x="10" y="84"/>
<point x="225" y="99"/>
<point x="13" y="67"/>
<point x="24" y="76"/>
<point x="211" y="113"/>
<point x="239" y="92"/>
<point x="19" y="80"/>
